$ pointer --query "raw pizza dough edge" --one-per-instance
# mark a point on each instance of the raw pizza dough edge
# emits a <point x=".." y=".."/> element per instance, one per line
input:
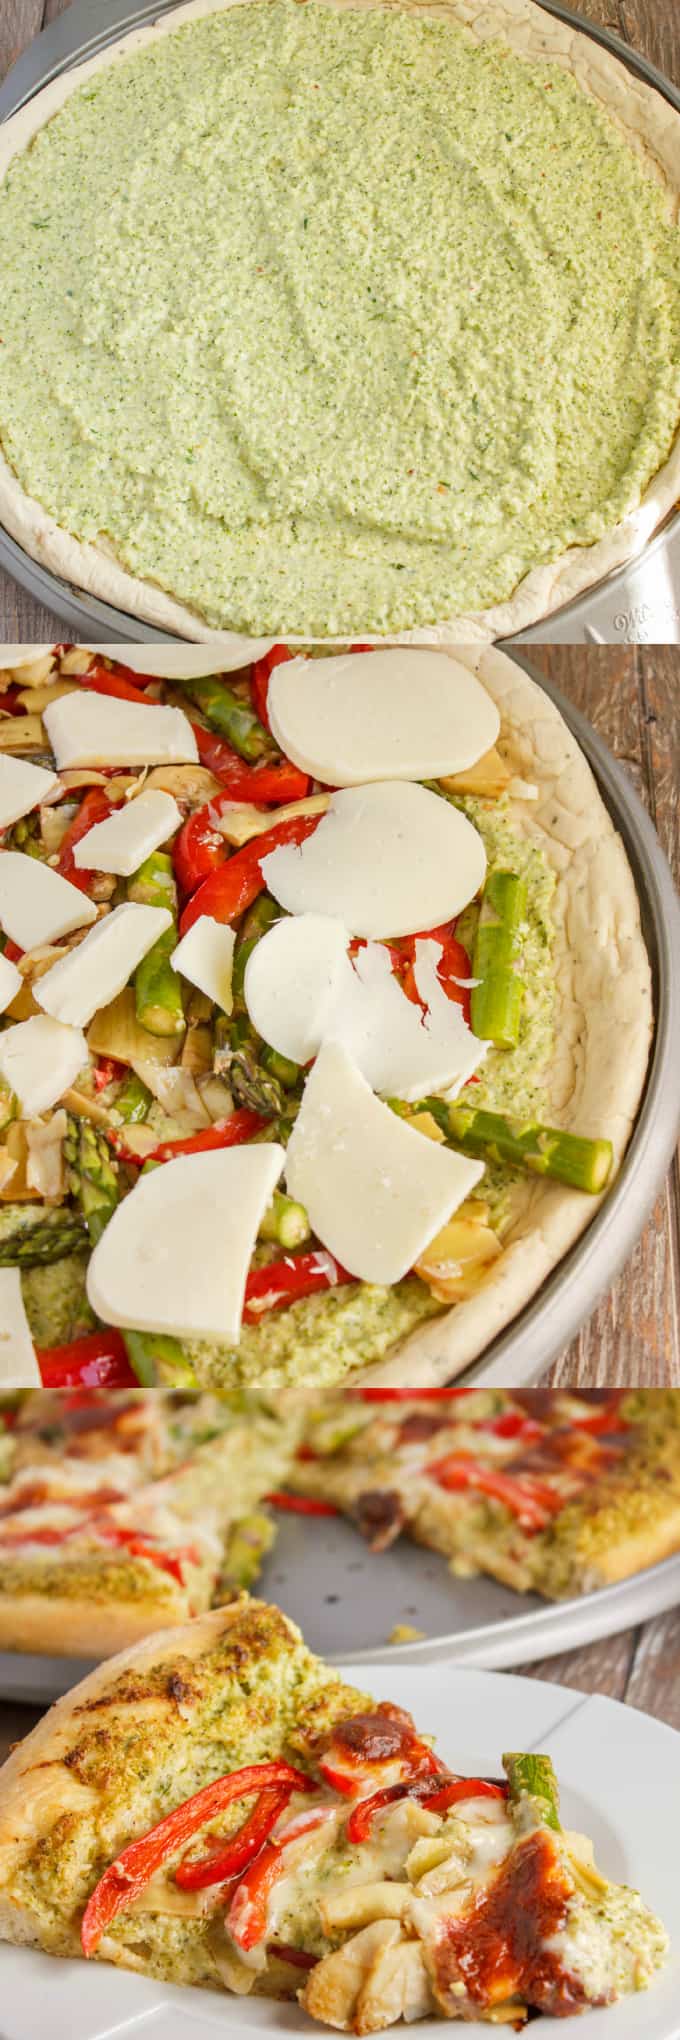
<point x="651" y="126"/>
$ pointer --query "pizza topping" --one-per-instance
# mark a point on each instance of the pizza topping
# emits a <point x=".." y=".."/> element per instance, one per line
<point x="98" y="1360"/>
<point x="22" y="788"/>
<point x="364" y="1745"/>
<point x="532" y="1501"/>
<point x="40" y="1060"/>
<point x="233" y="1132"/>
<point x="88" y="729"/>
<point x="399" y="715"/>
<point x="387" y="859"/>
<point x="93" y="974"/>
<point x="37" y="905"/>
<point x="10" y="982"/>
<point x="232" y="888"/>
<point x="205" y="956"/>
<point x="18" y="1360"/>
<point x="226" y="1859"/>
<point x="94" y="809"/>
<point x="280" y="1283"/>
<point x="123" y="841"/>
<point x="500" y="1945"/>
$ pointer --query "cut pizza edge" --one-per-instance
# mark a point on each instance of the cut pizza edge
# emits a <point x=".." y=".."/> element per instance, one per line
<point x="217" y="1807"/>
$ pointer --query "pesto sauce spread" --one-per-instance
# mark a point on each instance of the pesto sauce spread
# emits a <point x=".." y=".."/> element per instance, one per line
<point x="335" y="322"/>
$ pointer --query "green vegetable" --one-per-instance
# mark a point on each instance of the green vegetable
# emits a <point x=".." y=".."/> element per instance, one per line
<point x="238" y="1058"/>
<point x="534" y="1775"/>
<point x="285" y="1222"/>
<point x="246" y="1547"/>
<point x="26" y="835"/>
<point x="153" y="885"/>
<point x="158" y="1362"/>
<point x="158" y="988"/>
<point x="34" y="1246"/>
<point x="525" y="1144"/>
<point x="229" y="717"/>
<point x="93" y="1174"/>
<point x="256" y="922"/>
<point x="496" y="1003"/>
<point x="133" y="1101"/>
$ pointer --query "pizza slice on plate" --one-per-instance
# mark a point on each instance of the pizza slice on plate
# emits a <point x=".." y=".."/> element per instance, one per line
<point x="122" y="1514"/>
<point x="217" y="1807"/>
<point x="544" y="1489"/>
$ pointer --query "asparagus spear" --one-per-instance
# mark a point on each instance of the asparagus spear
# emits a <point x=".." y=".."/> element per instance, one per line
<point x="26" y="835"/>
<point x="36" y="1246"/>
<point x="158" y="1361"/>
<point x="496" y="1002"/>
<point x="534" y="1775"/>
<point x="285" y="1222"/>
<point x="153" y="885"/>
<point x="158" y="988"/>
<point x="526" y="1144"/>
<point x="93" y="1174"/>
<point x="133" y="1101"/>
<point x="229" y="717"/>
<point x="256" y="922"/>
<point x="246" y="1547"/>
<point x="237" y="1057"/>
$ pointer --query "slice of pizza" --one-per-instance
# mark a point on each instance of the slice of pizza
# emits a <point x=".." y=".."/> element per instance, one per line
<point x="217" y="1807"/>
<point x="546" y="1490"/>
<point x="124" y="1514"/>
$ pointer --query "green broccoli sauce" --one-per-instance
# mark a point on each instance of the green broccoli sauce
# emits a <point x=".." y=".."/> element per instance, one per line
<point x="289" y="191"/>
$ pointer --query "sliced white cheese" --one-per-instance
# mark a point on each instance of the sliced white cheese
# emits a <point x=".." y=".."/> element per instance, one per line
<point x="10" y="983"/>
<point x="37" y="905"/>
<point x="121" y="843"/>
<point x="94" y="973"/>
<point x="13" y="657"/>
<point x="205" y="956"/>
<point x="39" y="1060"/>
<point x="380" y="715"/>
<point x="22" y="787"/>
<point x="387" y="859"/>
<point x="375" y="1190"/>
<point x="18" y="1363"/>
<point x="95" y="729"/>
<point x="175" y="1255"/>
<point x="182" y="662"/>
<point x="301" y="988"/>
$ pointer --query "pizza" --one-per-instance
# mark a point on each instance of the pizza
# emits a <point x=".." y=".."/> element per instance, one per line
<point x="306" y="1057"/>
<point x="347" y="359"/>
<point x="547" y="1490"/>
<point x="121" y="1513"/>
<point x="216" y="1807"/>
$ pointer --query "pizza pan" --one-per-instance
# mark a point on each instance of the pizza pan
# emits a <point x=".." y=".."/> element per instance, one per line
<point x="639" y="603"/>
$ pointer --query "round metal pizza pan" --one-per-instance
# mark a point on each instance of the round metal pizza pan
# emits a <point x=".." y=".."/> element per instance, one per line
<point x="348" y="1602"/>
<point x="639" y="603"/>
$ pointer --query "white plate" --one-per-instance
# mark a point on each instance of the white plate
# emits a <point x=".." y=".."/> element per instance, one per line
<point x="620" y="1777"/>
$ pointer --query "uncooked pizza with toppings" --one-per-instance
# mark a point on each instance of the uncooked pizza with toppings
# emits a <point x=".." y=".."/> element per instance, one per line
<point x="549" y="1491"/>
<point x="216" y="1807"/>
<point x="125" y="1512"/>
<point x="308" y="974"/>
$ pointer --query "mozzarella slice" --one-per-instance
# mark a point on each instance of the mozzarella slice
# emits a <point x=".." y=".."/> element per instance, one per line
<point x="36" y="904"/>
<point x="175" y="1255"/>
<point x="121" y="843"/>
<point x="10" y="983"/>
<point x="301" y="988"/>
<point x="18" y="1362"/>
<point x="93" y="974"/>
<point x="22" y="787"/>
<point x="205" y="956"/>
<point x="183" y="662"/>
<point x="387" y="859"/>
<point x="375" y="1191"/>
<point x="95" y="729"/>
<point x="294" y="981"/>
<point x="39" y="1060"/>
<point x="382" y="715"/>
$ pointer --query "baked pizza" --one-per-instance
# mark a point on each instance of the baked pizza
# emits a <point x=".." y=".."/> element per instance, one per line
<point x="216" y="1807"/>
<point x="307" y="1061"/>
<point x="549" y="1491"/>
<point x="123" y="1513"/>
<point x="303" y="333"/>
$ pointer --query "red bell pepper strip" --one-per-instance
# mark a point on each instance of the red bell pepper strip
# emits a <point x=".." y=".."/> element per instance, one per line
<point x="513" y="1425"/>
<point x="453" y="964"/>
<point x="227" y="1858"/>
<point x="97" y="1361"/>
<point x="530" y="1500"/>
<point x="301" y="1505"/>
<point x="13" y="952"/>
<point x="260" y="675"/>
<point x="246" y="1919"/>
<point x="143" y="1547"/>
<point x="225" y="1133"/>
<point x="283" y="1282"/>
<point x="300" y="1958"/>
<point x="229" y="891"/>
<point x="437" y="1797"/>
<point x="99" y="680"/>
<point x="605" y="1417"/>
<point x="96" y="807"/>
<point x="106" y="1072"/>
<point x="137" y="1864"/>
<point x="388" y="1395"/>
<point x="200" y="845"/>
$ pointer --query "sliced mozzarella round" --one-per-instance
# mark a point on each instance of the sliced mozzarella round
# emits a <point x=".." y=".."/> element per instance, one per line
<point x="398" y="714"/>
<point x="175" y="1255"/>
<point x="93" y="974"/>
<point x="36" y="904"/>
<point x="95" y="729"/>
<point x="18" y="1360"/>
<point x="301" y="988"/>
<point x="39" y="1060"/>
<point x="294" y="981"/>
<point x="205" y="956"/>
<point x="22" y="787"/>
<point x="376" y="1191"/>
<point x="10" y="983"/>
<point x="387" y="859"/>
<point x="183" y="662"/>
<point x="133" y="832"/>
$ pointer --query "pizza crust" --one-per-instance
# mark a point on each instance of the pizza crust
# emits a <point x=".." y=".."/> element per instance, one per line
<point x="603" y="1019"/>
<point x="55" y="1625"/>
<point x="651" y="126"/>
